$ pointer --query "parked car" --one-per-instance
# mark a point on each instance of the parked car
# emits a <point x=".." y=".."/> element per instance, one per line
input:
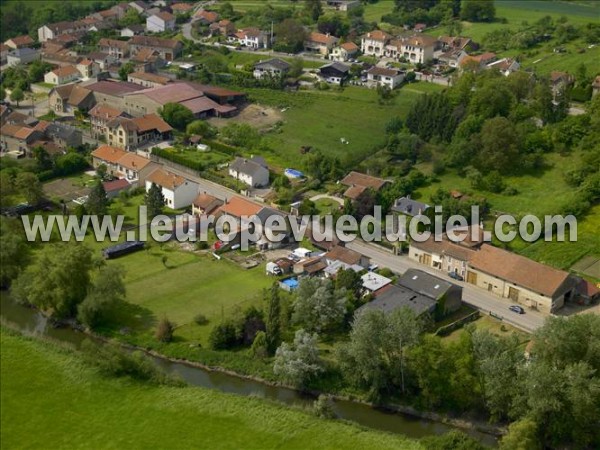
<point x="455" y="276"/>
<point x="517" y="309"/>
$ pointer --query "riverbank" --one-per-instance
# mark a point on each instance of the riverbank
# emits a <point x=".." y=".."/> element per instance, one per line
<point x="410" y="422"/>
<point x="51" y="398"/>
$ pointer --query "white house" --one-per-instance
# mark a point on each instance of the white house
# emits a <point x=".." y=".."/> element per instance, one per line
<point x="374" y="42"/>
<point x="344" y="52"/>
<point x="273" y="68"/>
<point x="178" y="192"/>
<point x="253" y="172"/>
<point x="506" y="66"/>
<point x="253" y="38"/>
<point x="62" y="75"/>
<point x="132" y="30"/>
<point x="380" y="76"/>
<point x="159" y="22"/>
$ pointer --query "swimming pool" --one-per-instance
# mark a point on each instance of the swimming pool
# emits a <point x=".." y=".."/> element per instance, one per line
<point x="293" y="173"/>
<point x="289" y="284"/>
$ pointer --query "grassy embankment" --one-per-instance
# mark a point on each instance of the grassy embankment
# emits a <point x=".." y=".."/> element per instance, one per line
<point x="50" y="398"/>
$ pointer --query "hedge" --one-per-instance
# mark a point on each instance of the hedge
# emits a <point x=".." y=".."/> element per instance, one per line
<point x="179" y="159"/>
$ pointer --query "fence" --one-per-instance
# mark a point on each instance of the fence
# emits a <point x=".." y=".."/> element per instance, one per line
<point x="447" y="329"/>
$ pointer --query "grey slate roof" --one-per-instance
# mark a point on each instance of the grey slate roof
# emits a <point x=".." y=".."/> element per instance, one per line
<point x="248" y="166"/>
<point x="274" y="63"/>
<point x="61" y="131"/>
<point x="408" y="206"/>
<point x="336" y="66"/>
<point x="424" y="283"/>
<point x="393" y="297"/>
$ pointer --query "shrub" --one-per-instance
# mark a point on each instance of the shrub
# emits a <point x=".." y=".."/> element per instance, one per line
<point x="113" y="361"/>
<point x="323" y="407"/>
<point x="223" y="336"/>
<point x="259" y="346"/>
<point x="200" y="319"/>
<point x="165" y="329"/>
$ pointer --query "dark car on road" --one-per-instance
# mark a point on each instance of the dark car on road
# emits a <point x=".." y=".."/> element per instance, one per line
<point x="517" y="309"/>
<point x="455" y="276"/>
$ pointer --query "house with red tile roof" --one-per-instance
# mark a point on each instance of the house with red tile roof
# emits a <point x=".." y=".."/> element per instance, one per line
<point x="359" y="182"/>
<point x="373" y="43"/>
<point x="520" y="279"/>
<point x="181" y="8"/>
<point x="177" y="190"/>
<point x="320" y="43"/>
<point x="19" y="42"/>
<point x="206" y="17"/>
<point x="130" y="133"/>
<point x="62" y="75"/>
<point x="344" y="52"/>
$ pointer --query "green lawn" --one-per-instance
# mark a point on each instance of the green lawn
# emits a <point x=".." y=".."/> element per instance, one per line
<point x="187" y="286"/>
<point x="50" y="399"/>
<point x="492" y="325"/>
<point x="319" y="119"/>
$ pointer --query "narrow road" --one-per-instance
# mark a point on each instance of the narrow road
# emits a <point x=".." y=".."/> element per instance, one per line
<point x="472" y="295"/>
<point x="328" y="197"/>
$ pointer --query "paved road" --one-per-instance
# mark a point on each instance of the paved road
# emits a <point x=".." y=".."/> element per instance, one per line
<point x="473" y="295"/>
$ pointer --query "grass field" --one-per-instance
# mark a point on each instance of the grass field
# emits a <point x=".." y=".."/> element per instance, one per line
<point x="534" y="197"/>
<point x="319" y="119"/>
<point x="50" y="399"/>
<point x="188" y="285"/>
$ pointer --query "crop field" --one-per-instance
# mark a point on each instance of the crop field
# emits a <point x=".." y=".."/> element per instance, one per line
<point x="50" y="398"/>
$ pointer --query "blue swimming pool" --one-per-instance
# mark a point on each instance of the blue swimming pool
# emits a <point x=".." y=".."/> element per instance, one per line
<point x="290" y="283"/>
<point x="293" y="173"/>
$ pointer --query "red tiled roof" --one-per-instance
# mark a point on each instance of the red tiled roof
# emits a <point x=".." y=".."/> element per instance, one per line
<point x="21" y="41"/>
<point x="361" y="179"/>
<point x="166" y="179"/>
<point x="115" y="185"/>
<point x="519" y="270"/>
<point x="66" y="71"/>
<point x="108" y="153"/>
<point x="349" y="46"/>
<point x="321" y="38"/>
<point x="339" y="253"/>
<point x="378" y="35"/>
<point x="183" y="7"/>
<point x="133" y="161"/>
<point x="239" y="207"/>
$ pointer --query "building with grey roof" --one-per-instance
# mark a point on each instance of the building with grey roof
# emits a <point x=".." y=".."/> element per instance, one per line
<point x="408" y="206"/>
<point x="252" y="172"/>
<point x="274" y="68"/>
<point x="447" y="295"/>
<point x="393" y="297"/>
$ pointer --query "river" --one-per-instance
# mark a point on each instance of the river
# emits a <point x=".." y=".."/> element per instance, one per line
<point x="32" y="322"/>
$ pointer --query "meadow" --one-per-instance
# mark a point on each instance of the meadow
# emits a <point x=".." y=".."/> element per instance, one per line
<point x="319" y="119"/>
<point x="50" y="398"/>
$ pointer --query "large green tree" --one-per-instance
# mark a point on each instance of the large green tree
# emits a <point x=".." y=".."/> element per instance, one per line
<point x="273" y="319"/>
<point x="298" y="363"/>
<point x="29" y="185"/>
<point x="103" y="298"/>
<point x="176" y="115"/>
<point x="155" y="200"/>
<point x="97" y="202"/>
<point x="58" y="280"/>
<point x="318" y="305"/>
